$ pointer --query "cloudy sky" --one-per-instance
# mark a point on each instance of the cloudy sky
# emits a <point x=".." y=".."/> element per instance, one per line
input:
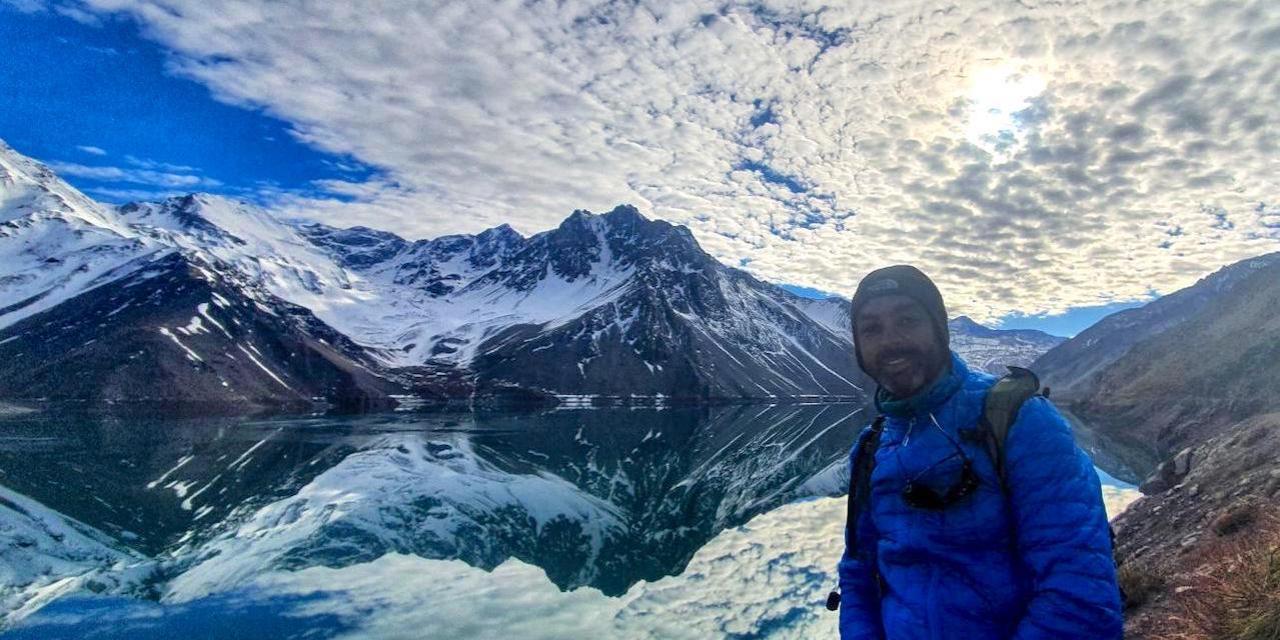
<point x="1034" y="157"/>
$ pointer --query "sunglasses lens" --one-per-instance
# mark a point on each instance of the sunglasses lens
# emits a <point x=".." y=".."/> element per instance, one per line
<point x="922" y="497"/>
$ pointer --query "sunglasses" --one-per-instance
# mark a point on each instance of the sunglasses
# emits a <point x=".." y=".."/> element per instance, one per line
<point x="922" y="496"/>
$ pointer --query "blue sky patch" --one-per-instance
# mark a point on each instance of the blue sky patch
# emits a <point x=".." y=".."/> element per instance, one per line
<point x="96" y="103"/>
<point x="806" y="292"/>
<point x="764" y="114"/>
<point x="1066" y="324"/>
<point x="769" y="174"/>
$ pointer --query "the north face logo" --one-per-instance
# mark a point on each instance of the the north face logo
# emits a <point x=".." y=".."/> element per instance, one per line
<point x="888" y="284"/>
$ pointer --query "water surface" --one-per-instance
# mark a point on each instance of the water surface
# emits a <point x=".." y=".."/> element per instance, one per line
<point x="712" y="522"/>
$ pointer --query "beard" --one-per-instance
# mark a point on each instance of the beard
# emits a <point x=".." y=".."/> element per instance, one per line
<point x="906" y="371"/>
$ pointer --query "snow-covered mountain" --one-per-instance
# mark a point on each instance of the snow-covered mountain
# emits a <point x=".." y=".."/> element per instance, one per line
<point x="54" y="242"/>
<point x="238" y="308"/>
<point x="163" y="303"/>
<point x="612" y="304"/>
<point x="993" y="350"/>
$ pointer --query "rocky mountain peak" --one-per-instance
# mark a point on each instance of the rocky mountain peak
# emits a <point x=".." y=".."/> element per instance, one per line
<point x="578" y="220"/>
<point x="624" y="214"/>
<point x="968" y="326"/>
<point x="494" y="246"/>
<point x="178" y="213"/>
<point x="623" y="218"/>
<point x="501" y="233"/>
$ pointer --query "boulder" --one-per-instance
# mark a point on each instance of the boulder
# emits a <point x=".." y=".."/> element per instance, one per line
<point x="1169" y="474"/>
<point x="1182" y="463"/>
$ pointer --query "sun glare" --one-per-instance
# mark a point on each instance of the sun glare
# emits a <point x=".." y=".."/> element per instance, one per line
<point x="996" y="97"/>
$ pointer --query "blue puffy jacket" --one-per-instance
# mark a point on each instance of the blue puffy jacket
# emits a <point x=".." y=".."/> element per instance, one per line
<point x="1030" y="563"/>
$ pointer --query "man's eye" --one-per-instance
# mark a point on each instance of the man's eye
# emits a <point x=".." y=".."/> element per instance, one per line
<point x="870" y="330"/>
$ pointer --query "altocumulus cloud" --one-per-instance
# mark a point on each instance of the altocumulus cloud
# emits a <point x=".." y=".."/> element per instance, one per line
<point x="1074" y="153"/>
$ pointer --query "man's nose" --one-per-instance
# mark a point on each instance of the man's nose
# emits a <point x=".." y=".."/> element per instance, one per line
<point x="896" y="338"/>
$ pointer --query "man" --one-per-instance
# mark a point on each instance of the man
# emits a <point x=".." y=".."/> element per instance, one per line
<point x="945" y="546"/>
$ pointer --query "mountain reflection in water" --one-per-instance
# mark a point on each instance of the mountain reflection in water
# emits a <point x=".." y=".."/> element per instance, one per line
<point x="438" y="525"/>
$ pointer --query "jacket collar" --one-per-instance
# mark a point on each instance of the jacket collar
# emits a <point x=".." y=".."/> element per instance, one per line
<point x="927" y="400"/>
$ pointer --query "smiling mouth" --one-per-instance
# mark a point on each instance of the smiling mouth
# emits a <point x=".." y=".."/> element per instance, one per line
<point x="897" y="364"/>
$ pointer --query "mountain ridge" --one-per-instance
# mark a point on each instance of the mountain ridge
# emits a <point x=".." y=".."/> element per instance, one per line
<point x="604" y="307"/>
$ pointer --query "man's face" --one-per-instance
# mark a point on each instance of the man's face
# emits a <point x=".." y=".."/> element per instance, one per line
<point x="900" y="348"/>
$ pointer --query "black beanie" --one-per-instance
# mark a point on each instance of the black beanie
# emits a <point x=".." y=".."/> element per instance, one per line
<point x="906" y="280"/>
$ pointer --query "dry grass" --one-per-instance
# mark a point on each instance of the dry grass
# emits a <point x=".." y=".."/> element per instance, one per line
<point x="1234" y="591"/>
<point x="1139" y="582"/>
<point x="1236" y="519"/>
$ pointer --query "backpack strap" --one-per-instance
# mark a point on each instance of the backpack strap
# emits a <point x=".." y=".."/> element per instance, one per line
<point x="864" y="461"/>
<point x="1000" y="410"/>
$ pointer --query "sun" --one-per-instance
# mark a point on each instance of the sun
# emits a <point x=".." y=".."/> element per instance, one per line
<point x="996" y="96"/>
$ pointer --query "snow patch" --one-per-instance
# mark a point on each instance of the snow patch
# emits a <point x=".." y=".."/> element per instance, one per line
<point x="181" y="461"/>
<point x="191" y="355"/>
<point x="264" y="367"/>
<point x="203" y="310"/>
<point x="194" y="326"/>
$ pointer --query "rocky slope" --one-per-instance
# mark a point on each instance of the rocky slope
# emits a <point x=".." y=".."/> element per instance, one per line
<point x="1151" y="381"/>
<point x="1207" y="510"/>
<point x="175" y="336"/>
<point x="1072" y="365"/>
<point x="1180" y="395"/>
